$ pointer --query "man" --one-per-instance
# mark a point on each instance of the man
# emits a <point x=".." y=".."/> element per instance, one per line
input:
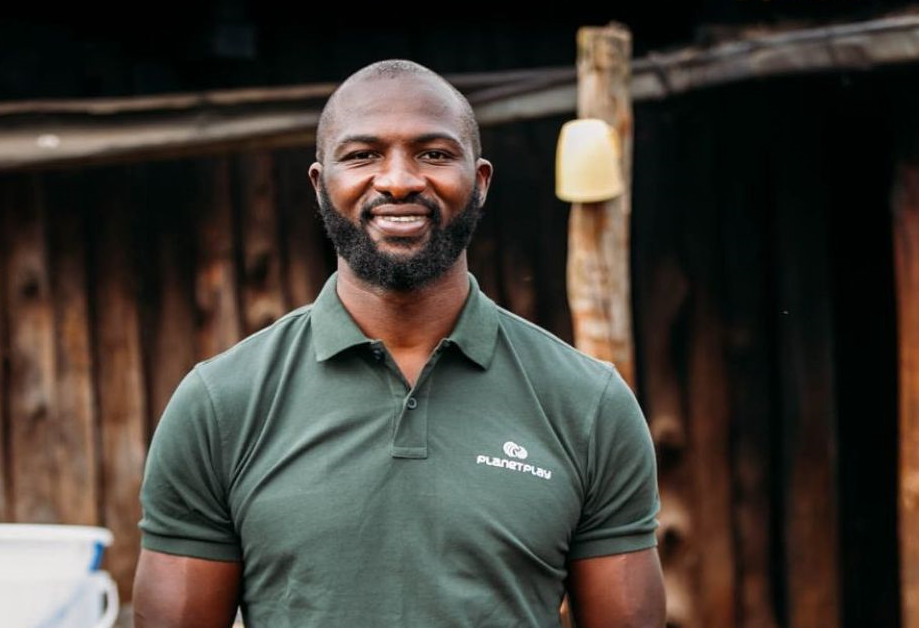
<point x="401" y="452"/>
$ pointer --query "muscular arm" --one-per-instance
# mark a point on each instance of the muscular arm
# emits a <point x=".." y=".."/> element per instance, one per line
<point x="617" y="591"/>
<point x="182" y="592"/>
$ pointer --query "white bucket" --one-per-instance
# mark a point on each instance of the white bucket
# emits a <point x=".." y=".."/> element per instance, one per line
<point x="49" y="577"/>
<point x="75" y="602"/>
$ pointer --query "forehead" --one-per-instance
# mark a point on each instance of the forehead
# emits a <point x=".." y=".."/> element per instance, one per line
<point x="394" y="109"/>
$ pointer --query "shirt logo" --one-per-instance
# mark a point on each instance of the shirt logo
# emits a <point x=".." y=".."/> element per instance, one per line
<point x="513" y="450"/>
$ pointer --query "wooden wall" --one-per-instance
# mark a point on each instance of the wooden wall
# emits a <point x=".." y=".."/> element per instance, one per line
<point x="763" y="306"/>
<point x="115" y="280"/>
<point x="765" y="326"/>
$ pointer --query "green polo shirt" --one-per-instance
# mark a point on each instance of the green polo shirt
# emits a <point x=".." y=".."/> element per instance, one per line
<point x="356" y="500"/>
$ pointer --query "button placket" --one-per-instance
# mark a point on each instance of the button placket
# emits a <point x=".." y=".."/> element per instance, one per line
<point x="410" y="432"/>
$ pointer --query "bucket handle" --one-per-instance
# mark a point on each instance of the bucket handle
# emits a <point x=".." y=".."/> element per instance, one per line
<point x="101" y="582"/>
<point x="111" y="600"/>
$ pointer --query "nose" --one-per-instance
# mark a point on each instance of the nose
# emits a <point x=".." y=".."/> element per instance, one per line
<point x="398" y="177"/>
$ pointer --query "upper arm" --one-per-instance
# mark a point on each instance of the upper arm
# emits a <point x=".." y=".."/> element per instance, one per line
<point x="189" y="571"/>
<point x="184" y="592"/>
<point x="617" y="591"/>
<point x="621" y="499"/>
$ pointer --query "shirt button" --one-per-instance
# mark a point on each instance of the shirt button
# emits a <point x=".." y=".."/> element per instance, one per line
<point x="378" y="354"/>
<point x="412" y="403"/>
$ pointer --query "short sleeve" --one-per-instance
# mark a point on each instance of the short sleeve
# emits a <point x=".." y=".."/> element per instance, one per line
<point x="183" y="492"/>
<point x="622" y="500"/>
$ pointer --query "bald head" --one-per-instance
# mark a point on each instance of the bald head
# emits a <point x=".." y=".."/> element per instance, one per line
<point x="388" y="70"/>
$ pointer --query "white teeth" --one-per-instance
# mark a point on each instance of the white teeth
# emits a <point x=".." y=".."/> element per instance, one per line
<point x="403" y="218"/>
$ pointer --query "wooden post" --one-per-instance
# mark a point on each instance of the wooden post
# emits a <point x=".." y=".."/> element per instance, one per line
<point x="598" y="235"/>
<point x="906" y="254"/>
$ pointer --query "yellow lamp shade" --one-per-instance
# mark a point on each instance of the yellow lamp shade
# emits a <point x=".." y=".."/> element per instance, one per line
<point x="587" y="168"/>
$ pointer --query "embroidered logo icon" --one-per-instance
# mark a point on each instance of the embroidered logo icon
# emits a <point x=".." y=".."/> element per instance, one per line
<point x="514" y="450"/>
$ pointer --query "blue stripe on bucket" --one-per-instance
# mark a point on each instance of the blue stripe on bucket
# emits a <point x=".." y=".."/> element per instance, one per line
<point x="97" y="557"/>
<point x="56" y="616"/>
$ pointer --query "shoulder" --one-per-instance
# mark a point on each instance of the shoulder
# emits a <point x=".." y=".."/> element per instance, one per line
<point x="573" y="387"/>
<point x="255" y="361"/>
<point x="557" y="361"/>
<point x="265" y="342"/>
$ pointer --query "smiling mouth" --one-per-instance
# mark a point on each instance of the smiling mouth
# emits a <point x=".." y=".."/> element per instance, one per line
<point x="401" y="226"/>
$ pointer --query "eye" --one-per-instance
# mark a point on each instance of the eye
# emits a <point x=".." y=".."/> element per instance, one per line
<point x="439" y="154"/>
<point x="359" y="154"/>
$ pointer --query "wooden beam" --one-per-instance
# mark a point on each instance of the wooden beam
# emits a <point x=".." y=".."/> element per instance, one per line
<point x="64" y="133"/>
<point x="598" y="235"/>
<point x="906" y="257"/>
<point x="744" y="55"/>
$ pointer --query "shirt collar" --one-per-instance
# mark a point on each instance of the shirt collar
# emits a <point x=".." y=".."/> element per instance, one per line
<point x="475" y="332"/>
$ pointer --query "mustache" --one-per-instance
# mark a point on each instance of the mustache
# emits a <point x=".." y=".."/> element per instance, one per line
<point x="414" y="199"/>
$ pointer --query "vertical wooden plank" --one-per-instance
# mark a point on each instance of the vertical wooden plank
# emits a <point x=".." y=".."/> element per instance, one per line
<point x="662" y="291"/>
<point x="6" y="486"/>
<point x="168" y="207"/>
<point x="307" y="262"/>
<point x="517" y="225"/>
<point x="665" y="309"/>
<point x="34" y="467"/>
<point x="262" y="292"/>
<point x="745" y="181"/>
<point x="598" y="245"/>
<point x="709" y="428"/>
<point x="172" y="354"/>
<point x="482" y="253"/>
<point x="120" y="378"/>
<point x="74" y="402"/>
<point x="219" y="324"/>
<point x="806" y="355"/>
<point x="906" y="258"/>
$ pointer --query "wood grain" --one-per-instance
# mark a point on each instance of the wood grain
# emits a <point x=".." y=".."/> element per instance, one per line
<point x="598" y="246"/>
<point x="906" y="258"/>
<point x="218" y="319"/>
<point x="120" y="377"/>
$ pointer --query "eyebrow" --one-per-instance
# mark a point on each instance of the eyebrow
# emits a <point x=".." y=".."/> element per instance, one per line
<point x="424" y="138"/>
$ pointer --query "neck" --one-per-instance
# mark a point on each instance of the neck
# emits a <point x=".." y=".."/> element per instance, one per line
<point x="412" y="321"/>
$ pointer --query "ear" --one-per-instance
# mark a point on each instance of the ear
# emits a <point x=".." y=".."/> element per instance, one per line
<point x="315" y="174"/>
<point x="483" y="173"/>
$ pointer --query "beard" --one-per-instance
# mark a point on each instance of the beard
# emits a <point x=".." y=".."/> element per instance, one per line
<point x="400" y="272"/>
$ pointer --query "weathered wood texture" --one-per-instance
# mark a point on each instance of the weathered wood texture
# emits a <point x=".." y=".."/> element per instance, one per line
<point x="906" y="254"/>
<point x="759" y="254"/>
<point x="721" y="240"/>
<point x="115" y="281"/>
<point x="598" y="245"/>
<point x="808" y="403"/>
